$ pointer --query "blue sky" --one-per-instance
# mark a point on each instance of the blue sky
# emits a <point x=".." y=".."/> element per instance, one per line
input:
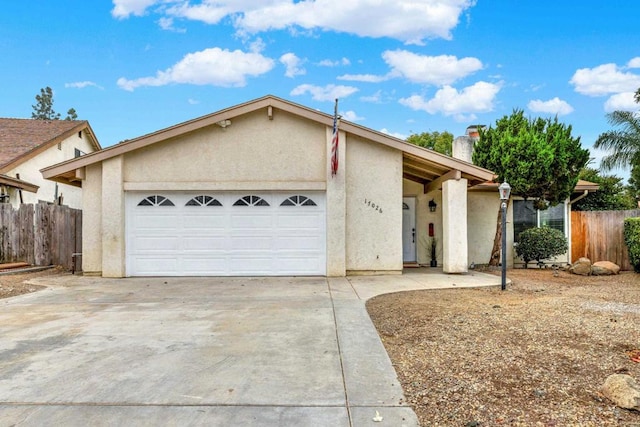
<point x="131" y="67"/>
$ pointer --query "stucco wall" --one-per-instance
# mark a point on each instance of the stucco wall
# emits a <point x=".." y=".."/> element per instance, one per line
<point x="374" y="207"/>
<point x="252" y="149"/>
<point x="482" y="211"/>
<point x="30" y="171"/>
<point x="92" y="220"/>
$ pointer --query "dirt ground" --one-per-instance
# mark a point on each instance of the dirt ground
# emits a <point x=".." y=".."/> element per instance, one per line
<point x="16" y="284"/>
<point x="533" y="355"/>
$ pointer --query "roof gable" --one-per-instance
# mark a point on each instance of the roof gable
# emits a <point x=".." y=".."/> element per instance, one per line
<point x="270" y="104"/>
<point x="22" y="138"/>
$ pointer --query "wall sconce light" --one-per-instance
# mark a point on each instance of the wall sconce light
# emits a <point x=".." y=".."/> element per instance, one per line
<point x="432" y="205"/>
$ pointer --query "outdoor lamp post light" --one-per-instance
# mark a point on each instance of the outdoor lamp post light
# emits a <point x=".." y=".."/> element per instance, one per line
<point x="505" y="191"/>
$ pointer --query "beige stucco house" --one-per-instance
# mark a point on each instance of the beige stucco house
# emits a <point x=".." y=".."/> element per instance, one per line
<point x="28" y="145"/>
<point x="248" y="191"/>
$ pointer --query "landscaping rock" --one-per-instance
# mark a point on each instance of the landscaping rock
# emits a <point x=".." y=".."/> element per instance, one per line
<point x="582" y="267"/>
<point x="604" y="268"/>
<point x="622" y="390"/>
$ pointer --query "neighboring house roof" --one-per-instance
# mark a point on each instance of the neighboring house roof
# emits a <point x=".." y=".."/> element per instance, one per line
<point x="22" y="139"/>
<point x="419" y="164"/>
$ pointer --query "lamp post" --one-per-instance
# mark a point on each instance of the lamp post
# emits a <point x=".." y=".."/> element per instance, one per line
<point x="505" y="191"/>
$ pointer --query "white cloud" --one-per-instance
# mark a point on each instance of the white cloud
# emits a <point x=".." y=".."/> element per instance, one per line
<point x="212" y="66"/>
<point x="375" y="98"/>
<point x="330" y="63"/>
<point x="293" y="65"/>
<point x="327" y="93"/>
<point x="192" y="101"/>
<point x="436" y="70"/>
<point x="462" y="105"/>
<point x="209" y="12"/>
<point x="634" y="63"/>
<point x="125" y="8"/>
<point x="604" y="80"/>
<point x="351" y="116"/>
<point x="394" y="134"/>
<point x="624" y="101"/>
<point x="167" y="25"/>
<point x="368" y="78"/>
<point x="553" y="106"/>
<point x="411" y="21"/>
<point x="82" y="85"/>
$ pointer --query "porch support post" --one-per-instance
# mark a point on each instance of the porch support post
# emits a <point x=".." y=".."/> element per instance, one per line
<point x="454" y="226"/>
<point x="336" y="209"/>
<point x="113" y="248"/>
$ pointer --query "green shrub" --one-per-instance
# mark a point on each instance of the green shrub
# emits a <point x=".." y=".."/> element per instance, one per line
<point x="540" y="243"/>
<point x="632" y="240"/>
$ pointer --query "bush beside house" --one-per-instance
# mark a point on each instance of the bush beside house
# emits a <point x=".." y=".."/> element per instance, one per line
<point x="632" y="240"/>
<point x="540" y="243"/>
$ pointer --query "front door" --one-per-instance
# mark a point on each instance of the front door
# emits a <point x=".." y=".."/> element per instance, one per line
<point x="409" y="229"/>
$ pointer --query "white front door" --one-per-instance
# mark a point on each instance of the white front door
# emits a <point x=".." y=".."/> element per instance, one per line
<point x="409" y="229"/>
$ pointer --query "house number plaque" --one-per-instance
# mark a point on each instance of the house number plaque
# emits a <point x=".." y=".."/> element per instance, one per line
<point x="373" y="205"/>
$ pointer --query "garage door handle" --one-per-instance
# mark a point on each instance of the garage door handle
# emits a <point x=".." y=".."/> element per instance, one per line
<point x="413" y="234"/>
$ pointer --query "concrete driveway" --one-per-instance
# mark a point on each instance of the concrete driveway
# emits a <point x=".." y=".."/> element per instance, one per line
<point x="201" y="351"/>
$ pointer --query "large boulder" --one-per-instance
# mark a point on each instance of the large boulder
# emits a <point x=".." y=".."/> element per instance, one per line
<point x="604" y="268"/>
<point x="582" y="267"/>
<point x="622" y="390"/>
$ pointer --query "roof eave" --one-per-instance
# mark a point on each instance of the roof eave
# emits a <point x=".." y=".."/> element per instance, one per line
<point x="472" y="172"/>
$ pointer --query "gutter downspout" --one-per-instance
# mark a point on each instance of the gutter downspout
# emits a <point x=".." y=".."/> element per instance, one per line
<point x="580" y="197"/>
<point x="571" y="202"/>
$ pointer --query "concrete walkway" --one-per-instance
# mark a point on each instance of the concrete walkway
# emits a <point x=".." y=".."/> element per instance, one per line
<point x="203" y="351"/>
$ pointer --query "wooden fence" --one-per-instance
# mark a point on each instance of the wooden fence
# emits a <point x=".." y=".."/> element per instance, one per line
<point x="40" y="234"/>
<point x="598" y="235"/>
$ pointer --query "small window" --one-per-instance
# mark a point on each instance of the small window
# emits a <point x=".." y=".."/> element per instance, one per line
<point x="298" y="201"/>
<point x="155" y="201"/>
<point x="526" y="216"/>
<point x="251" y="201"/>
<point x="203" y="201"/>
<point x="78" y="153"/>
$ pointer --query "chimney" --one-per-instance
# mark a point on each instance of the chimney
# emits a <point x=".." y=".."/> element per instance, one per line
<point x="462" y="148"/>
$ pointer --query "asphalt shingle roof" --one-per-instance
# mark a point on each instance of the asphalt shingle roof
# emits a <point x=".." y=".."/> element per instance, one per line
<point x="20" y="136"/>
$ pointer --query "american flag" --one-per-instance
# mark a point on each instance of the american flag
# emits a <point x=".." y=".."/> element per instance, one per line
<point x="334" y="142"/>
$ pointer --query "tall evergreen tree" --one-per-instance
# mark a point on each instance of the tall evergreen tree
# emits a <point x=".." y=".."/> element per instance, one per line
<point x="538" y="157"/>
<point x="43" y="110"/>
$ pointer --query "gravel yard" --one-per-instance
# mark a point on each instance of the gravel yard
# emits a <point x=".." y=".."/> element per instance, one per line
<point x="534" y="355"/>
<point x="17" y="284"/>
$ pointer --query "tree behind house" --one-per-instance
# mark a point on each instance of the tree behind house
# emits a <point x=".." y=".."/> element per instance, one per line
<point x="43" y="110"/>
<point x="611" y="195"/>
<point x="538" y="157"/>
<point x="440" y="142"/>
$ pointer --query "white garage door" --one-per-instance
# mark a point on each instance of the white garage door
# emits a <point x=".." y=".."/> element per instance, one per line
<point x="225" y="234"/>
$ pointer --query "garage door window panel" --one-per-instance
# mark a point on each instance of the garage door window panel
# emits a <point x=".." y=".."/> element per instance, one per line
<point x="251" y="201"/>
<point x="203" y="201"/>
<point x="155" y="201"/>
<point x="298" y="201"/>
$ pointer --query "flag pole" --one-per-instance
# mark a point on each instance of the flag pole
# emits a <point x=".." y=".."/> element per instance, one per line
<point x="335" y="141"/>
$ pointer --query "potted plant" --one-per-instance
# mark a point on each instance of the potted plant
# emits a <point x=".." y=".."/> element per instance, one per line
<point x="433" y="246"/>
